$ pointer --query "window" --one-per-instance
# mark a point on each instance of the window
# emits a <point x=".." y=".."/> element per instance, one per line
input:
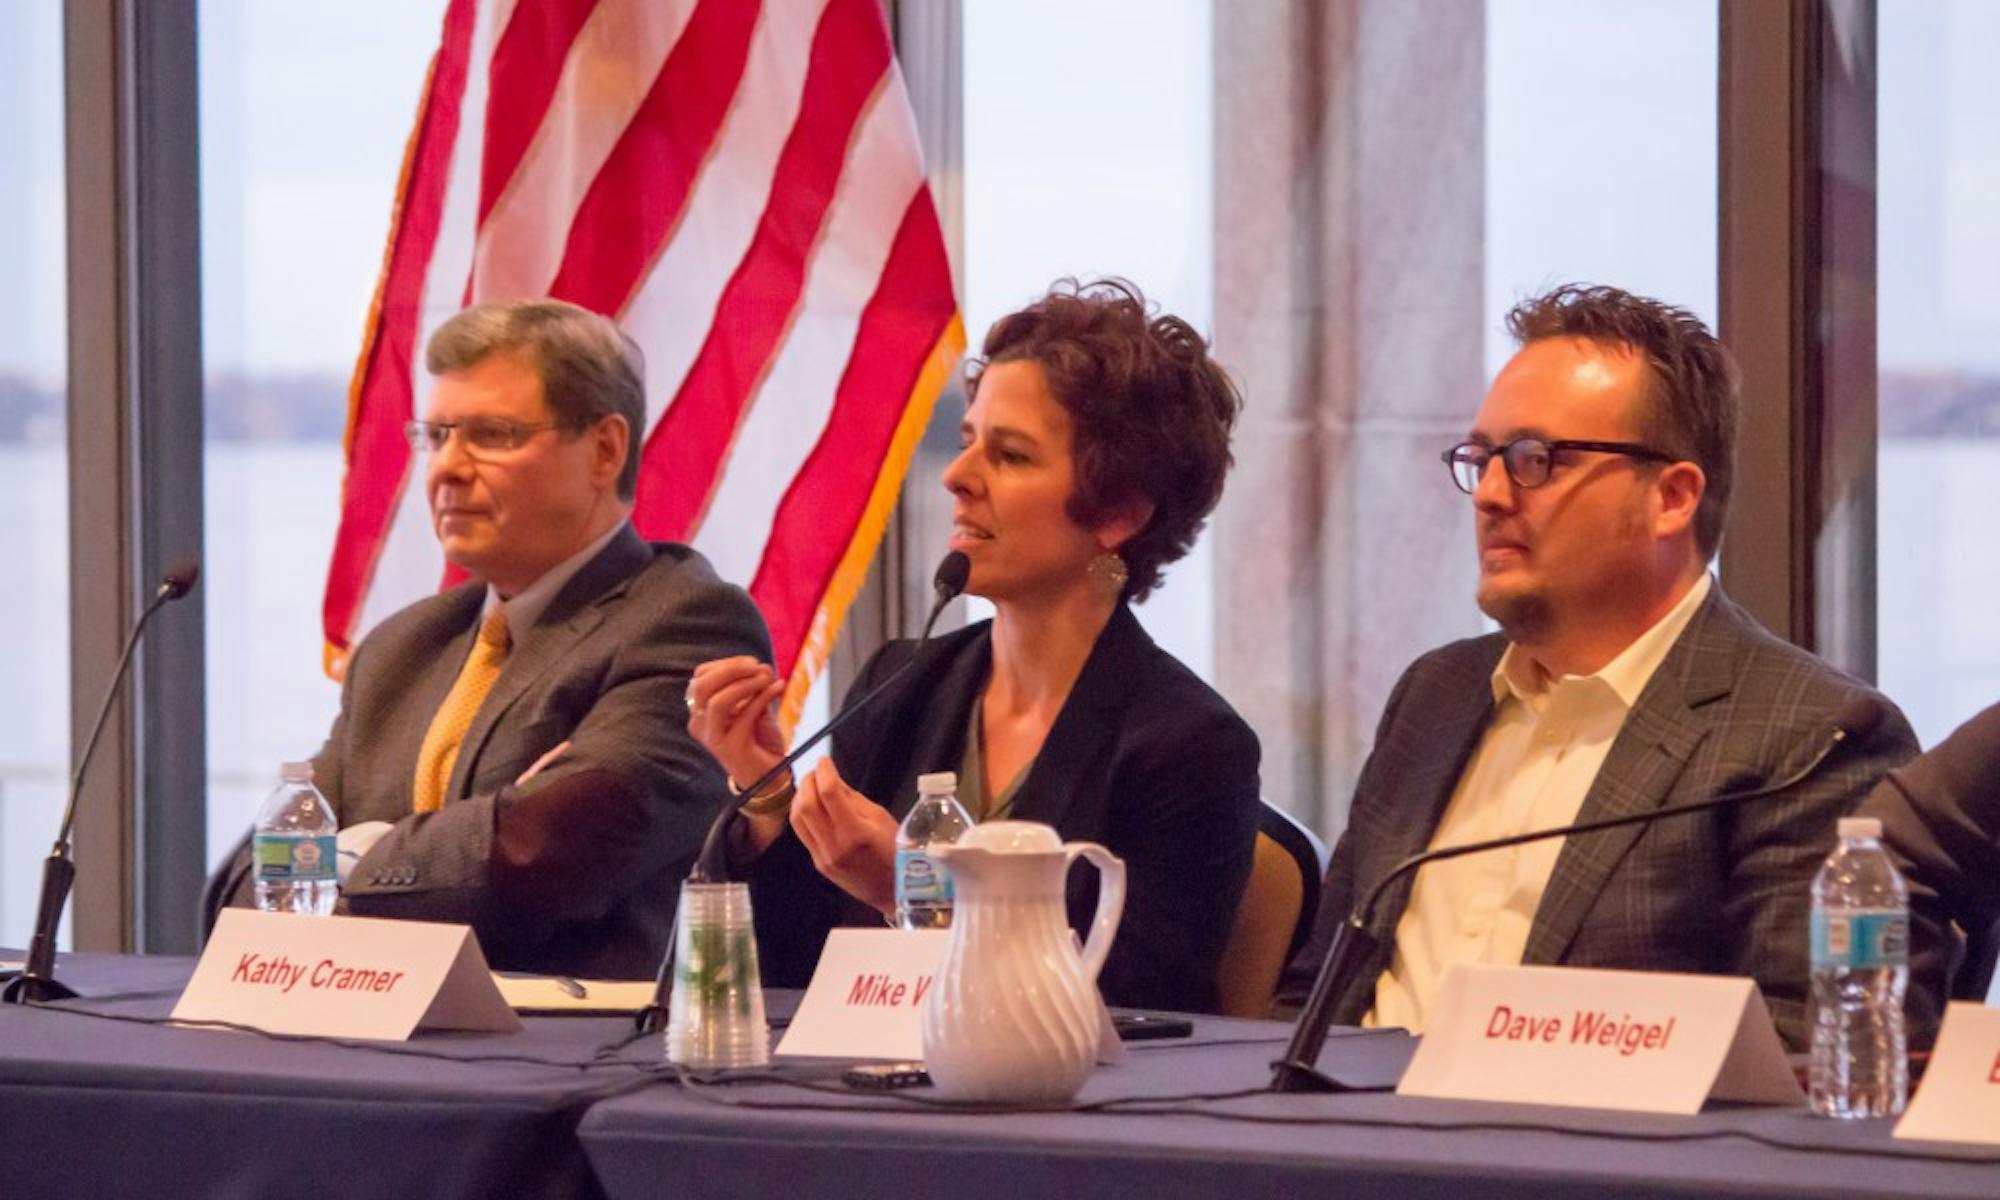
<point x="1390" y="180"/>
<point x="1938" y="332"/>
<point x="1087" y="153"/>
<point x="1600" y="153"/>
<point x="305" y="109"/>
<point x="34" y="464"/>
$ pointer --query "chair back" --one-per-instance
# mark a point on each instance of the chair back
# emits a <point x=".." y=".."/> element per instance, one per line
<point x="1275" y="915"/>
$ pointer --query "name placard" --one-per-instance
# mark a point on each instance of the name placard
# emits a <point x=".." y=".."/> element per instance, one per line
<point x="1959" y="1100"/>
<point x="866" y="998"/>
<point x="867" y="995"/>
<point x="357" y="977"/>
<point x="1634" y="1040"/>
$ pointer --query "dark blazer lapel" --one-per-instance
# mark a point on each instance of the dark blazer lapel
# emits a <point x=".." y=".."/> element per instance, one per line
<point x="419" y="668"/>
<point x="1405" y="787"/>
<point x="1426" y="774"/>
<point x="936" y="743"/>
<point x="1639" y="773"/>
<point x="578" y="609"/>
<point x="438" y="651"/>
<point x="1071" y="764"/>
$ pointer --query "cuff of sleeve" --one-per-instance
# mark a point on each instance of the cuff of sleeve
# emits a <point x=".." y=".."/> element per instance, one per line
<point x="353" y="843"/>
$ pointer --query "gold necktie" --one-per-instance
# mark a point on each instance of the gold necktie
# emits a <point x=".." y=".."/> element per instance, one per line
<point x="454" y="716"/>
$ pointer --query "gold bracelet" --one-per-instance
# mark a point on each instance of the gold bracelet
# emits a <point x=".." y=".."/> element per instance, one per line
<point x="767" y="804"/>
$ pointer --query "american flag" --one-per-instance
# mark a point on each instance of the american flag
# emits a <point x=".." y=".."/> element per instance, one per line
<point x="738" y="184"/>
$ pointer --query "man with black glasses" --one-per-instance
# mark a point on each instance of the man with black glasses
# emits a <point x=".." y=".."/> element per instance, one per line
<point x="1622" y="681"/>
<point x="512" y="753"/>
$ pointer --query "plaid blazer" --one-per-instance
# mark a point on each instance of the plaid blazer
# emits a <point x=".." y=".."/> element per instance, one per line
<point x="1731" y="708"/>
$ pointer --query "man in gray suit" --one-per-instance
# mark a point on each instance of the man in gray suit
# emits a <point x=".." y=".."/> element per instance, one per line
<point x="513" y="752"/>
<point x="1622" y="681"/>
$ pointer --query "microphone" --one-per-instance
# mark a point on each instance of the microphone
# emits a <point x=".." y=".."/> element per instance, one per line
<point x="947" y="583"/>
<point x="710" y="866"/>
<point x="1352" y="941"/>
<point x="36" y="981"/>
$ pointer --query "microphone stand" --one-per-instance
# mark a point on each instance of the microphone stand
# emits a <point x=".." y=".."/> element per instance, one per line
<point x="711" y="865"/>
<point x="36" y="982"/>
<point x="1353" y="941"/>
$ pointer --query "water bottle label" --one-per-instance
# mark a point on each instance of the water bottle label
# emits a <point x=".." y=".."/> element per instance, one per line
<point x="1860" y="940"/>
<point x="294" y="859"/>
<point x="921" y="878"/>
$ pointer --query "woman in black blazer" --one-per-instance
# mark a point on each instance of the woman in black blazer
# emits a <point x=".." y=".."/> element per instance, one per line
<point x="1096" y="443"/>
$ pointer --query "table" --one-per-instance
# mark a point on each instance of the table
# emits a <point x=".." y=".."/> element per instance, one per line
<point x="98" y="1100"/>
<point x="91" y="1105"/>
<point x="709" y="1140"/>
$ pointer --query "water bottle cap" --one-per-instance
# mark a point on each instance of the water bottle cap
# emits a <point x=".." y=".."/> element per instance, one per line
<point x="1860" y="827"/>
<point x="296" y="772"/>
<point x="939" y="783"/>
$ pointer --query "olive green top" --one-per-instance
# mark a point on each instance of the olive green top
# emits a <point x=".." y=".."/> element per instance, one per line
<point x="972" y="775"/>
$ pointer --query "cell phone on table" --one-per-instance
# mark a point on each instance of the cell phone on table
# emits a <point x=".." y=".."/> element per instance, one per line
<point x="1144" y="1027"/>
<point x="884" y="1077"/>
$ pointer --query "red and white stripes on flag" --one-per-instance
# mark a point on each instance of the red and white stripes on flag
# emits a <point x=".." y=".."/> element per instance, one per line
<point x="737" y="183"/>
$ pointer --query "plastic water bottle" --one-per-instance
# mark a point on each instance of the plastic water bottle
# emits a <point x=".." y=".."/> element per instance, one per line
<point x="1860" y="968"/>
<point x="923" y="885"/>
<point x="292" y="849"/>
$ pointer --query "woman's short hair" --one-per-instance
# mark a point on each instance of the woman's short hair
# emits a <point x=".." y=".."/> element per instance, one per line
<point x="1150" y="412"/>
<point x="589" y="369"/>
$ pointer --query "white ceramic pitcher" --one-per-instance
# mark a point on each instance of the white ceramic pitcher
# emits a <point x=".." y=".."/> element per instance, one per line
<point x="1013" y="1013"/>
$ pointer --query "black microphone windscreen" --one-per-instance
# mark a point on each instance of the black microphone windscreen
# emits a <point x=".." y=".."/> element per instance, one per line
<point x="1858" y="717"/>
<point x="181" y="578"/>
<point x="951" y="575"/>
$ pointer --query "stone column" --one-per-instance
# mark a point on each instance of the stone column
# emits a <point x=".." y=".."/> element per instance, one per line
<point x="1349" y="170"/>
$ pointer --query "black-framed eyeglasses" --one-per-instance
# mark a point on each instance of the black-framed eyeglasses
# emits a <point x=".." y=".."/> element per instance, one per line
<point x="480" y="435"/>
<point x="1529" y="459"/>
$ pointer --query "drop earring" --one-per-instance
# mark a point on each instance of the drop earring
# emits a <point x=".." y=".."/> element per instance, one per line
<point x="1108" y="574"/>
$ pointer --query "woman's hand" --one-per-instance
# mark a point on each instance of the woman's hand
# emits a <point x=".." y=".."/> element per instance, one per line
<point x="730" y="713"/>
<point x="851" y="838"/>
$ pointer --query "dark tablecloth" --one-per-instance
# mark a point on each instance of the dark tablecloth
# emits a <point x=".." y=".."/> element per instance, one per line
<point x="92" y="1106"/>
<point x="777" y="1139"/>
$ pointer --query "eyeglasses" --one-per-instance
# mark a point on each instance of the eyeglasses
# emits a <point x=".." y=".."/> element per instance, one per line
<point x="1529" y="459"/>
<point x="481" y="436"/>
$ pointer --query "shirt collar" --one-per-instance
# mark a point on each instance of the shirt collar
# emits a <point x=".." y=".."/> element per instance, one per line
<point x="1518" y="675"/>
<point x="530" y="602"/>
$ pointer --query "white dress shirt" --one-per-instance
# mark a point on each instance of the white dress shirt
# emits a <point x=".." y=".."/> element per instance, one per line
<point x="528" y="604"/>
<point x="1533" y="766"/>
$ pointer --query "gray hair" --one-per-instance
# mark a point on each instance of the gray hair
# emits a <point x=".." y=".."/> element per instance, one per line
<point x="588" y="368"/>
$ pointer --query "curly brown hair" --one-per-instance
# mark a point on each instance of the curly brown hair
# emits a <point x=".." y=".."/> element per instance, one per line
<point x="1150" y="412"/>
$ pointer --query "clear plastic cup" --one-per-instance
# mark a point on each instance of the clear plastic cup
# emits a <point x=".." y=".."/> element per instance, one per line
<point x="716" y="1013"/>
